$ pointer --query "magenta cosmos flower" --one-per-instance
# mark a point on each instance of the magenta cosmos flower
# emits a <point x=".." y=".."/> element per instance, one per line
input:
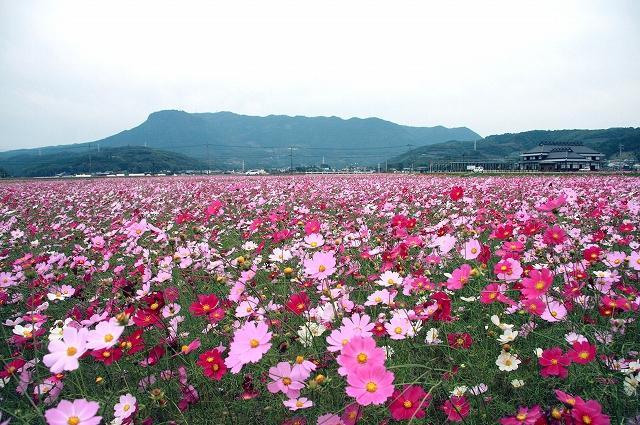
<point x="360" y="353"/>
<point x="537" y="284"/>
<point x="78" y="412"/>
<point x="372" y="385"/>
<point x="250" y="343"/>
<point x="64" y="353"/>
<point x="320" y="266"/>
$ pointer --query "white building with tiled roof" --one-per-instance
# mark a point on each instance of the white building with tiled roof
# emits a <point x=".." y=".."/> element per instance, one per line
<point x="550" y="156"/>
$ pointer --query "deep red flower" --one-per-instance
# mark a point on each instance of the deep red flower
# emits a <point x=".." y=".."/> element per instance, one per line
<point x="460" y="340"/>
<point x="206" y="304"/>
<point x="443" y="313"/>
<point x="298" y="303"/>
<point x="133" y="343"/>
<point x="212" y="364"/>
<point x="12" y="367"/>
<point x="592" y="253"/>
<point x="410" y="403"/>
<point x="107" y="355"/>
<point x="456" y="193"/>
<point x="145" y="318"/>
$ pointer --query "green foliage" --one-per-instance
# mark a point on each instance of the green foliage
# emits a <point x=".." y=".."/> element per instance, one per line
<point x="135" y="159"/>
<point x="510" y="145"/>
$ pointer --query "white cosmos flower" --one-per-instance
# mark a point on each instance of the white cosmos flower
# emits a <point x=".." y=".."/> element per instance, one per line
<point x="517" y="383"/>
<point x="507" y="362"/>
<point x="508" y="336"/>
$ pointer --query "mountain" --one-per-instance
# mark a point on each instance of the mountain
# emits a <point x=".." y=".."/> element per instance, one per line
<point x="224" y="139"/>
<point x="509" y="146"/>
<point x="132" y="159"/>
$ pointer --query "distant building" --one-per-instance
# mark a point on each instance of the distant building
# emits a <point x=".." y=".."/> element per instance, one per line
<point x="558" y="156"/>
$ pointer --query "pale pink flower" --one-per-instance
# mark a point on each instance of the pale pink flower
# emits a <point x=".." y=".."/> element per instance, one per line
<point x="298" y="403"/>
<point x="126" y="406"/>
<point x="320" y="266"/>
<point x="78" y="412"/>
<point x="105" y="335"/>
<point x="471" y="249"/>
<point x="64" y="353"/>
<point x="383" y="296"/>
<point x="285" y="379"/>
<point x="360" y="325"/>
<point x="360" y="353"/>
<point x="249" y="344"/>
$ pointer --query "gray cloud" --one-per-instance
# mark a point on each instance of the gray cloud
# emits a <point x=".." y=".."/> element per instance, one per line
<point x="73" y="71"/>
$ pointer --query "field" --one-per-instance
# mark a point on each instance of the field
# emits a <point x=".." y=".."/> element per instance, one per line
<point x="329" y="300"/>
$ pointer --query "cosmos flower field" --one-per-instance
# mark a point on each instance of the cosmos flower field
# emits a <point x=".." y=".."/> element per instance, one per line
<point x="320" y="300"/>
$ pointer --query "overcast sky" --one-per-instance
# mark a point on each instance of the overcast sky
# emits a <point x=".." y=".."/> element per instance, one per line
<point x="74" y="71"/>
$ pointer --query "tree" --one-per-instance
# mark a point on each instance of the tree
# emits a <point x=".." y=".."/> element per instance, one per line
<point x="3" y="173"/>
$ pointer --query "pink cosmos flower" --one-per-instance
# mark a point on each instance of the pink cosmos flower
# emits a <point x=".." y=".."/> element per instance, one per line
<point x="508" y="269"/>
<point x="360" y="325"/>
<point x="589" y="413"/>
<point x="314" y="240"/>
<point x="298" y="403"/>
<point x="329" y="419"/>
<point x="372" y="385"/>
<point x="285" y="380"/>
<point x="339" y="338"/>
<point x="249" y="344"/>
<point x="554" y="311"/>
<point x="615" y="259"/>
<point x="471" y="249"/>
<point x="360" y="353"/>
<point x="320" y="266"/>
<point x="383" y="296"/>
<point x="105" y="335"/>
<point x="459" y="277"/>
<point x="7" y="280"/>
<point x="398" y="327"/>
<point x="127" y="405"/>
<point x="64" y="353"/>
<point x="78" y="412"/>
<point x="537" y="284"/>
<point x="634" y="260"/>
<point x="525" y="416"/>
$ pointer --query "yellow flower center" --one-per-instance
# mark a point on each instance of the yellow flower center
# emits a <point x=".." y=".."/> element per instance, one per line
<point x="586" y="419"/>
<point x="71" y="351"/>
<point x="474" y="250"/>
<point x="378" y="299"/>
<point x="539" y="285"/>
<point x="254" y="343"/>
<point x="322" y="268"/>
<point x="300" y="306"/>
<point x="73" y="420"/>
<point x="583" y="355"/>
<point x="371" y="387"/>
<point x="286" y="380"/>
<point x="345" y="341"/>
<point x="554" y="362"/>
<point x="106" y="354"/>
<point x="362" y="358"/>
<point x="299" y="403"/>
<point x="299" y="359"/>
<point x="407" y="404"/>
<point x="126" y="407"/>
<point x="108" y="338"/>
<point x="215" y="367"/>
<point x="398" y="330"/>
<point x="314" y="244"/>
<point x="155" y="306"/>
<point x="521" y="416"/>
<point x="206" y="307"/>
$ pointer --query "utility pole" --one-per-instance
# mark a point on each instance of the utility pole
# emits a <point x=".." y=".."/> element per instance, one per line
<point x="208" y="159"/>
<point x="386" y="166"/>
<point x="620" y="146"/>
<point x="291" y="159"/>
<point x="243" y="166"/>
<point x="378" y="168"/>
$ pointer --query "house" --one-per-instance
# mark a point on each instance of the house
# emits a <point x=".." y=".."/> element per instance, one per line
<point x="560" y="156"/>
